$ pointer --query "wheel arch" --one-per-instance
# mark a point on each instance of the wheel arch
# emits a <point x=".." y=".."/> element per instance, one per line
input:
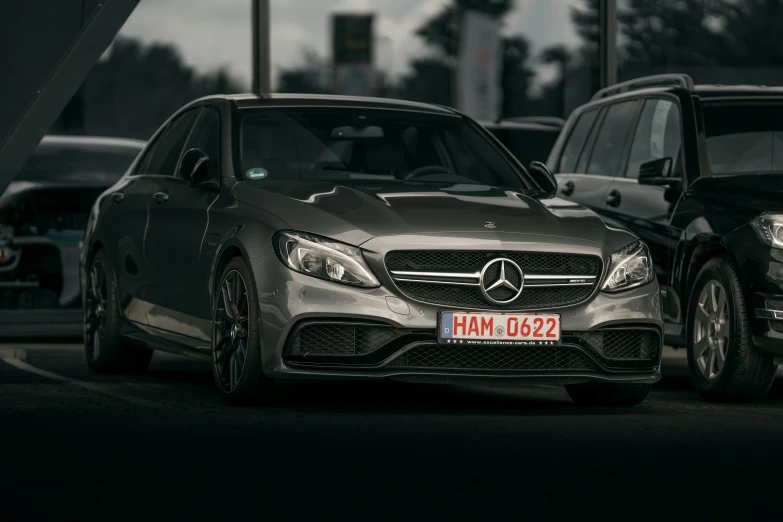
<point x="230" y="250"/>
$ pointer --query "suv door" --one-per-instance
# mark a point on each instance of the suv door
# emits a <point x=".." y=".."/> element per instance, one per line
<point x="178" y="220"/>
<point x="601" y="158"/>
<point x="579" y="139"/>
<point x="648" y="209"/>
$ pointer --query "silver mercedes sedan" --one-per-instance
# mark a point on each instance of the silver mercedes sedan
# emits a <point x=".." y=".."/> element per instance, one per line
<point x="335" y="238"/>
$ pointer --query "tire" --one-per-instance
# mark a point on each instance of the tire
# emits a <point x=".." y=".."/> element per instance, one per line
<point x="38" y="299"/>
<point x="745" y="373"/>
<point x="243" y="347"/>
<point x="613" y="395"/>
<point x="104" y="348"/>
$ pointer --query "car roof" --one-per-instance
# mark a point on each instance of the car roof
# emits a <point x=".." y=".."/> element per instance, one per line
<point x="325" y="100"/>
<point x="718" y="90"/>
<point x="92" y="141"/>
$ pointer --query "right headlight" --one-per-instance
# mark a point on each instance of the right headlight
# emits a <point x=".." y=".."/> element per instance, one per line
<point x="769" y="228"/>
<point x="323" y="258"/>
<point x="631" y="266"/>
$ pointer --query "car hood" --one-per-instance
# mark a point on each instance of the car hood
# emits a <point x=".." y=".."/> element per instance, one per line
<point x="357" y="214"/>
<point x="735" y="200"/>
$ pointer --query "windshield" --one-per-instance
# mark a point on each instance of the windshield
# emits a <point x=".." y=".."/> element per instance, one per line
<point x="59" y="163"/>
<point x="352" y="146"/>
<point x="744" y="138"/>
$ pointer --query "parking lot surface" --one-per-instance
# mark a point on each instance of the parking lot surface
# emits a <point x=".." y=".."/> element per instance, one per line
<point x="75" y="446"/>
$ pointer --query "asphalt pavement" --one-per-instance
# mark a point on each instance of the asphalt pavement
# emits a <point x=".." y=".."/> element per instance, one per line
<point x="75" y="446"/>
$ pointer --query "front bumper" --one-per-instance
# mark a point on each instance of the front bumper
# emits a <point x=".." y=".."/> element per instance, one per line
<point x="289" y="300"/>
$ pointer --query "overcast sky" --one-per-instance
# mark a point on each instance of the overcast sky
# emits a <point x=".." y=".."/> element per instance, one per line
<point x="215" y="33"/>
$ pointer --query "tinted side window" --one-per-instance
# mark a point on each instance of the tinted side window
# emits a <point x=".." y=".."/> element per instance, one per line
<point x="206" y="136"/>
<point x="165" y="153"/>
<point x="658" y="135"/>
<point x="575" y="141"/>
<point x="611" y="144"/>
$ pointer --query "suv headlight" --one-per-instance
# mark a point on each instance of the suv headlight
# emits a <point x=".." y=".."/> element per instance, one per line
<point x="631" y="266"/>
<point x="769" y="228"/>
<point x="323" y="258"/>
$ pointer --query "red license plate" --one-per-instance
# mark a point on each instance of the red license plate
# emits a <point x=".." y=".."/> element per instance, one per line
<point x="498" y="328"/>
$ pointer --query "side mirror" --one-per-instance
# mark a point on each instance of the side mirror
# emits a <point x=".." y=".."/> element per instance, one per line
<point x="658" y="172"/>
<point x="543" y="177"/>
<point x="194" y="169"/>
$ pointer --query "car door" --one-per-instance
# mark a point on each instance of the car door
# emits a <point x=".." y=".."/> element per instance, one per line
<point x="178" y="219"/>
<point x="648" y="209"/>
<point x="573" y="183"/>
<point x="125" y="222"/>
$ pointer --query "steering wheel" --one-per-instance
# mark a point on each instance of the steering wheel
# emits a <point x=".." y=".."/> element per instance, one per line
<point x="427" y="169"/>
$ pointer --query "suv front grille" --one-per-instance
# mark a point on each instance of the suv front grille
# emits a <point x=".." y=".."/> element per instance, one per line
<point x="490" y="357"/>
<point x="454" y="278"/>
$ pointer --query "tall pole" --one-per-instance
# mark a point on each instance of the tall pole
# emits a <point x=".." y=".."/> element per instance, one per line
<point x="261" y="57"/>
<point x="607" y="42"/>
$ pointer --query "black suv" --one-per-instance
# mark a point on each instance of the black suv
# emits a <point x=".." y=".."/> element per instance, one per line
<point x="697" y="172"/>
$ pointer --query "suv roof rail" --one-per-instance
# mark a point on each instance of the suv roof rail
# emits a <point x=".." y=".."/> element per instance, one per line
<point x="658" y="80"/>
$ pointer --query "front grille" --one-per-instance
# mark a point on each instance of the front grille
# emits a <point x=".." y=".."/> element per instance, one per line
<point x="470" y="297"/>
<point x="624" y="345"/>
<point x="479" y="357"/>
<point x="454" y="278"/>
<point x="471" y="261"/>
<point x="340" y="339"/>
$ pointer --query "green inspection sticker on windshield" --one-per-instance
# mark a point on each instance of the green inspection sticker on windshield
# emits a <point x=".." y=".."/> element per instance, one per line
<point x="256" y="173"/>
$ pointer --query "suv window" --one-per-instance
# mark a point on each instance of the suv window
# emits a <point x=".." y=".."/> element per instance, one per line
<point x="206" y="136"/>
<point x="163" y="154"/>
<point x="744" y="137"/>
<point x="611" y="144"/>
<point x="658" y="135"/>
<point x="576" y="140"/>
<point x="73" y="163"/>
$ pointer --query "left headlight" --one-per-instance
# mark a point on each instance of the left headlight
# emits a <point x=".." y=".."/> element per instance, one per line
<point x="324" y="258"/>
<point x="769" y="228"/>
<point x="631" y="266"/>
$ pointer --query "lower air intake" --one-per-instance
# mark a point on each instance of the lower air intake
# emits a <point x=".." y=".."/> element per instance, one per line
<point x="478" y="357"/>
<point x="624" y="345"/>
<point x="340" y="339"/>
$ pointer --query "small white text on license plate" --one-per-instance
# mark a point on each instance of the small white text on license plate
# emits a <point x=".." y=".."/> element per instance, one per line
<point x="490" y="326"/>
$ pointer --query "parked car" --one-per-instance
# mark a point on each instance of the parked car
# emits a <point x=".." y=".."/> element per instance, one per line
<point x="308" y="237"/>
<point x="527" y="138"/>
<point x="697" y="173"/>
<point x="43" y="214"/>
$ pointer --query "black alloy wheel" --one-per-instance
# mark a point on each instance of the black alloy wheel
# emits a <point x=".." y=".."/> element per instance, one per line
<point x="231" y="331"/>
<point x="236" y="339"/>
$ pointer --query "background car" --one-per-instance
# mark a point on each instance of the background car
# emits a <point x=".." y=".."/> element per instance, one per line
<point x="43" y="214"/>
<point x="312" y="238"/>
<point x="527" y="138"/>
<point x="697" y="173"/>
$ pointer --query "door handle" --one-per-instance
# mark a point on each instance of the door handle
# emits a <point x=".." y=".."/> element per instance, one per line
<point x="118" y="197"/>
<point x="614" y="199"/>
<point x="568" y="188"/>
<point x="160" y="197"/>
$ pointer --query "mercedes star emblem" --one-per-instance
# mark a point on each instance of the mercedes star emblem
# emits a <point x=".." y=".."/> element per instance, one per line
<point x="501" y="284"/>
<point x="490" y="224"/>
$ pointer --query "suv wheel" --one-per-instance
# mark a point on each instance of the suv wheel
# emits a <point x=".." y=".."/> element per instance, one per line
<point x="103" y="346"/>
<point x="723" y="361"/>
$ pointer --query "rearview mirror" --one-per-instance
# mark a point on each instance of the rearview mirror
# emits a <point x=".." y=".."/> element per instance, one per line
<point x="543" y="177"/>
<point x="657" y="172"/>
<point x="350" y="133"/>
<point x="194" y="169"/>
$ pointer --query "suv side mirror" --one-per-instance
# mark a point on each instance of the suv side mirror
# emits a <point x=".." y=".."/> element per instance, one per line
<point x="543" y="177"/>
<point x="194" y="169"/>
<point x="657" y="172"/>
